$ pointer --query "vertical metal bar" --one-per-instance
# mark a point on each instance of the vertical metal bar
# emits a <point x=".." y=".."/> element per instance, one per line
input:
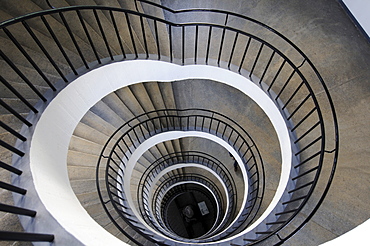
<point x="244" y="54"/>
<point x="236" y="140"/>
<point x="267" y="66"/>
<point x="218" y="124"/>
<point x="17" y="210"/>
<point x="307" y="172"/>
<point x="309" y="145"/>
<point x="131" y="35"/>
<point x="34" y="37"/>
<point x="88" y="36"/>
<point x="208" y="43"/>
<point x="58" y="44"/>
<point x="276" y="75"/>
<point x="70" y="33"/>
<point x="20" y="74"/>
<point x="103" y="34"/>
<point x="12" y="131"/>
<point x="157" y="39"/>
<point x="136" y="135"/>
<point x="142" y="132"/>
<point x="28" y="57"/>
<point x="292" y="96"/>
<point x="285" y="84"/>
<point x="15" y="113"/>
<point x="19" y="96"/>
<point x="10" y="168"/>
<point x="210" y="123"/>
<point x="298" y="107"/>
<point x="302" y="120"/>
<point x="232" y="131"/>
<point x="233" y="49"/>
<point x="170" y="37"/>
<point x="255" y="61"/>
<point x="123" y="152"/>
<point x="196" y="44"/>
<point x="128" y="148"/>
<point x="12" y="188"/>
<point x="221" y="45"/>
<point x="117" y="33"/>
<point x="223" y="133"/>
<point x="307" y="132"/>
<point x="144" y="36"/>
<point x="24" y="236"/>
<point x="183" y="44"/>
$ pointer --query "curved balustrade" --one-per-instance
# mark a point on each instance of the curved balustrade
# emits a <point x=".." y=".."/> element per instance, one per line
<point x="278" y="66"/>
<point x="190" y="157"/>
<point x="163" y="193"/>
<point x="123" y="142"/>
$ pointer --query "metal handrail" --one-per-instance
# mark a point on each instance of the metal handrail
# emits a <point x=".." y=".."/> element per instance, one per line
<point x="304" y="68"/>
<point x="187" y="157"/>
<point x="126" y="138"/>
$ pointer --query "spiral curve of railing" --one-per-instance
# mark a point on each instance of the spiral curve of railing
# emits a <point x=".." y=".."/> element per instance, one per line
<point x="279" y="67"/>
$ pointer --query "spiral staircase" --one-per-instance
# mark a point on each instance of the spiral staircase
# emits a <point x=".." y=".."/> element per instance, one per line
<point x="178" y="123"/>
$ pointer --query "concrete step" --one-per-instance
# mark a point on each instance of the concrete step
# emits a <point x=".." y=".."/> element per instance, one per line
<point x="91" y="134"/>
<point x="103" y="111"/>
<point x="82" y="173"/>
<point x="82" y="159"/>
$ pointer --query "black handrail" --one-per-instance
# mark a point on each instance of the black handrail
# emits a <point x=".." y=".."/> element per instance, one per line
<point x="128" y="136"/>
<point x="187" y="157"/>
<point x="312" y="158"/>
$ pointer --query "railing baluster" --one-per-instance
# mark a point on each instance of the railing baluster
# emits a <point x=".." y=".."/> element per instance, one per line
<point x="298" y="107"/>
<point x="70" y="33"/>
<point x="244" y="54"/>
<point x="305" y="173"/>
<point x="285" y="84"/>
<point x="131" y="34"/>
<point x="267" y="66"/>
<point x="301" y="187"/>
<point x="117" y="33"/>
<point x="293" y="95"/>
<point x="20" y="74"/>
<point x="255" y="61"/>
<point x="12" y="188"/>
<point x="10" y="168"/>
<point x="308" y="159"/>
<point x="19" y="96"/>
<point x="208" y="43"/>
<point x="46" y="53"/>
<point x="307" y="132"/>
<point x="309" y="145"/>
<point x="196" y="44"/>
<point x="82" y="21"/>
<point x="25" y="236"/>
<point x="183" y="44"/>
<point x="15" y="113"/>
<point x="17" y="210"/>
<point x="276" y="75"/>
<point x="233" y="49"/>
<point x="58" y="44"/>
<point x="157" y="39"/>
<point x="144" y="37"/>
<point x="303" y="119"/>
<point x="12" y="131"/>
<point x="28" y="57"/>
<point x="170" y="37"/>
<point x="221" y="46"/>
<point x="103" y="34"/>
